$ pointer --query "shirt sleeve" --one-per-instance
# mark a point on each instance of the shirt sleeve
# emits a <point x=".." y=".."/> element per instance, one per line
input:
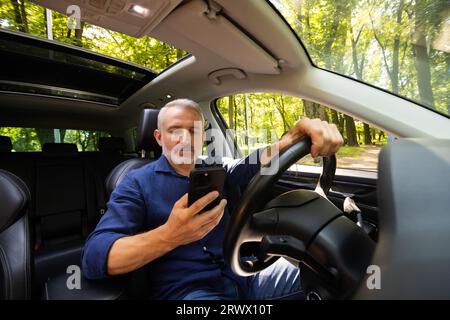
<point x="125" y="217"/>
<point x="241" y="171"/>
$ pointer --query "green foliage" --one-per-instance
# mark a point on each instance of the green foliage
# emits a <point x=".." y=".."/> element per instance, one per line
<point x="274" y="114"/>
<point x="23" y="139"/>
<point x="377" y="41"/>
<point x="144" y="51"/>
<point x="32" y="139"/>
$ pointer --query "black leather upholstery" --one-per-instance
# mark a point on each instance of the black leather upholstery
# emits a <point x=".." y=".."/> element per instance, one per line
<point x="5" y="144"/>
<point x="145" y="140"/>
<point x="15" y="252"/>
<point x="60" y="148"/>
<point x="148" y="122"/>
<point x="14" y="197"/>
<point x="111" y="144"/>
<point x="111" y="289"/>
<point x="121" y="170"/>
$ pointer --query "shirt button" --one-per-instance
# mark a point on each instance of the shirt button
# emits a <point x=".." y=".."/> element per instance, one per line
<point x="205" y="249"/>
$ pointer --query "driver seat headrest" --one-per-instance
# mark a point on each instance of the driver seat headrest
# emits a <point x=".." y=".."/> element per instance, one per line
<point x="145" y="140"/>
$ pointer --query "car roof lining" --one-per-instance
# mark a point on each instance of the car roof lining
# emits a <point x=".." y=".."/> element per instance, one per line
<point x="116" y="15"/>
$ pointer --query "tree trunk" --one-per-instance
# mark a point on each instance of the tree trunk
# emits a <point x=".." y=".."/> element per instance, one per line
<point x="235" y="114"/>
<point x="79" y="35"/>
<point x="45" y="136"/>
<point x="334" y="117"/>
<point x="342" y="123"/>
<point x="251" y="113"/>
<point x="393" y="71"/>
<point x="24" y="16"/>
<point x="282" y="114"/>
<point x="422" y="61"/>
<point x="314" y="110"/>
<point x="20" y="15"/>
<point x="350" y="129"/>
<point x="62" y="134"/>
<point x="322" y="113"/>
<point x="246" y="123"/>
<point x="367" y="136"/>
<point x="396" y="49"/>
<point x="423" y="74"/>
<point x="309" y="109"/>
<point x="230" y="112"/>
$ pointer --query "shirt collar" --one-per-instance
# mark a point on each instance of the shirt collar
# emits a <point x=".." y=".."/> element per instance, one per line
<point x="163" y="165"/>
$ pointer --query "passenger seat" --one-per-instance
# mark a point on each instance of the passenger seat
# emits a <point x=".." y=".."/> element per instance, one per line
<point x="146" y="144"/>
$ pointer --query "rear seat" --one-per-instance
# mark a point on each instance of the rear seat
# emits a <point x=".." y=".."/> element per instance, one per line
<point x="68" y="196"/>
<point x="62" y="208"/>
<point x="110" y="154"/>
<point x="61" y="203"/>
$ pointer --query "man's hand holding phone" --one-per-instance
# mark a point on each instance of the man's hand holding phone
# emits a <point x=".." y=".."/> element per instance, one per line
<point x="186" y="225"/>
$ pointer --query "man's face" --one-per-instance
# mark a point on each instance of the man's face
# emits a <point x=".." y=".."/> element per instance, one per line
<point x="181" y="135"/>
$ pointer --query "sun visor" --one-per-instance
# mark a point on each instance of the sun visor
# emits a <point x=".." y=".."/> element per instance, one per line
<point x="204" y="27"/>
<point x="132" y="17"/>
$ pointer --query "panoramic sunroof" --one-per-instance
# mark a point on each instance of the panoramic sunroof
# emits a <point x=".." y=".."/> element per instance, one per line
<point x="37" y="66"/>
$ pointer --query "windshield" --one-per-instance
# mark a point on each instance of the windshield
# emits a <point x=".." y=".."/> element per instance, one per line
<point x="401" y="46"/>
<point x="27" y="17"/>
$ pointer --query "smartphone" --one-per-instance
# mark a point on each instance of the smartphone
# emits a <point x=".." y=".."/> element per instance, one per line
<point x="204" y="180"/>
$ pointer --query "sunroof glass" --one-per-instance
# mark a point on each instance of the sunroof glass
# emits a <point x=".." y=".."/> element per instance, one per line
<point x="32" y="65"/>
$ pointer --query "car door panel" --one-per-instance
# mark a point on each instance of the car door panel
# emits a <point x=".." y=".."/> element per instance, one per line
<point x="362" y="190"/>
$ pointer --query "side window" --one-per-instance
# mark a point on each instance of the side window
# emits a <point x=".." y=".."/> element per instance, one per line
<point x="32" y="139"/>
<point x="250" y="115"/>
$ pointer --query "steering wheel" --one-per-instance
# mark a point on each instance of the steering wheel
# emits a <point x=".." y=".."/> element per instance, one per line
<point x="293" y="223"/>
<point x="239" y="228"/>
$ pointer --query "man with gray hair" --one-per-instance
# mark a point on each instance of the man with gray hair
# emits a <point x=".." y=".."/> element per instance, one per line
<point x="149" y="223"/>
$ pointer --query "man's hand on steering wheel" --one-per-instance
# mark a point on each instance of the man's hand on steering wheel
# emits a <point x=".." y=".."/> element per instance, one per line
<point x="325" y="138"/>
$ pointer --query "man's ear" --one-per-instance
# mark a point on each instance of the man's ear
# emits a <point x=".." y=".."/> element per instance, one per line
<point x="157" y="135"/>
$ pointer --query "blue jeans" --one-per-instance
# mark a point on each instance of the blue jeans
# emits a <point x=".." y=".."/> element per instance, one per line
<point x="280" y="281"/>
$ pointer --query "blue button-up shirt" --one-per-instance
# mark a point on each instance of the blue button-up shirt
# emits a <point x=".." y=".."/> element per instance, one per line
<point x="144" y="201"/>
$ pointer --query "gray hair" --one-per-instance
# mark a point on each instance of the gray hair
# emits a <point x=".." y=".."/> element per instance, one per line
<point x="180" y="103"/>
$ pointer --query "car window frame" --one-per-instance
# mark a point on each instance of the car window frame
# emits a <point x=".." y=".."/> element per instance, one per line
<point x="345" y="172"/>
